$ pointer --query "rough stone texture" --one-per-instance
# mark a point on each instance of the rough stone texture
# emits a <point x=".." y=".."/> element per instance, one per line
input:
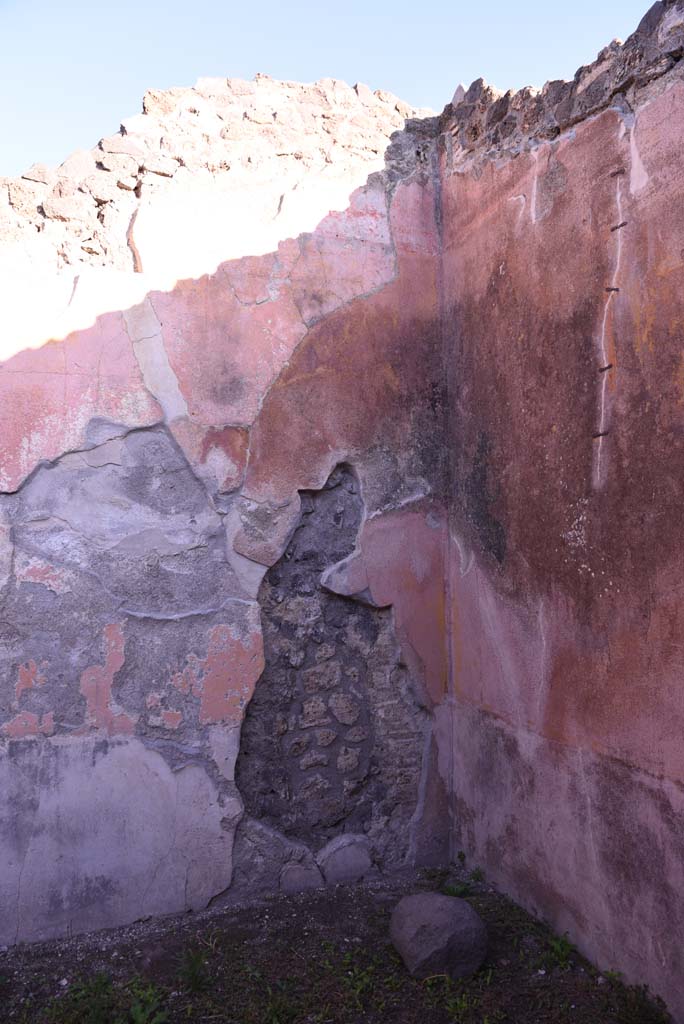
<point x="483" y="123"/>
<point x="436" y="934"/>
<point x="239" y="294"/>
<point x="333" y="737"/>
<point x="191" y="169"/>
<point x="265" y="860"/>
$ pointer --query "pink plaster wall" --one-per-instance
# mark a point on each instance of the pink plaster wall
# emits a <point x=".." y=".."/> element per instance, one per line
<point x="567" y="607"/>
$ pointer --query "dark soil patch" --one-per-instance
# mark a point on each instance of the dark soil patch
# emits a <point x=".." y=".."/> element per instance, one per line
<point x="317" y="958"/>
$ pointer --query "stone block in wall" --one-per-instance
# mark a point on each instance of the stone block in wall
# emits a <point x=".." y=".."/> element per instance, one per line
<point x="346" y="858"/>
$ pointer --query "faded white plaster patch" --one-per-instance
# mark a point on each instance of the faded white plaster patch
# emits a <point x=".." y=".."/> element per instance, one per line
<point x="225" y="746"/>
<point x="638" y="177"/>
<point x="543" y="657"/>
<point x="144" y="330"/>
<point x="522" y="199"/>
<point x="248" y="572"/>
<point x="533" y="203"/>
<point x="6" y="552"/>
<point x="218" y="466"/>
<point x="604" y="411"/>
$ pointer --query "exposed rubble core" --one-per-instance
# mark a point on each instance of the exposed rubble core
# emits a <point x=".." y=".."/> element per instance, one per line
<point x="373" y="420"/>
<point x="332" y="740"/>
<point x="220" y="139"/>
<point x="484" y="123"/>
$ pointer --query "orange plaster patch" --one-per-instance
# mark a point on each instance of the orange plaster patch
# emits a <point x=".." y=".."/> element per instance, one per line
<point x="34" y="570"/>
<point x="230" y="671"/>
<point x="96" y="687"/>
<point x="217" y="453"/>
<point x="30" y="675"/>
<point x="233" y="443"/>
<point x="26" y="724"/>
<point x="224" y="681"/>
<point x="186" y="681"/>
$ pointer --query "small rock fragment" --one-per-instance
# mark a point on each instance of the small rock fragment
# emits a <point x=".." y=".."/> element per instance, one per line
<point x="314" y="759"/>
<point x="40" y="173"/>
<point x="344" y="708"/>
<point x="348" y="759"/>
<point x="324" y="737"/>
<point x="356" y="735"/>
<point x="313" y="713"/>
<point x="119" y="164"/>
<point x="325" y="676"/>
<point x="77" y="166"/>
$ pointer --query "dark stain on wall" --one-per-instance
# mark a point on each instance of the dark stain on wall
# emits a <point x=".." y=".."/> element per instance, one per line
<point x="479" y="499"/>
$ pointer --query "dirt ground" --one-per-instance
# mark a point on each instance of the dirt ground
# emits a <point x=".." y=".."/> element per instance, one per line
<point x="316" y="958"/>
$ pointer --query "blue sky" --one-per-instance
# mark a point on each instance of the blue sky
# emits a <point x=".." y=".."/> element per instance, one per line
<point x="70" y="70"/>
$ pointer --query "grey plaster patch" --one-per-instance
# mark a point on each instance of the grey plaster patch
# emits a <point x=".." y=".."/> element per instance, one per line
<point x="6" y="552"/>
<point x="264" y="529"/>
<point x="95" y="834"/>
<point x="132" y="514"/>
<point x="249" y="572"/>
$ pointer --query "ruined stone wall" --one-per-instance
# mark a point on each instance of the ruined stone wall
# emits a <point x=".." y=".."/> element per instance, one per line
<point x="333" y="737"/>
<point x="563" y="313"/>
<point x="352" y="530"/>
<point x="164" y="441"/>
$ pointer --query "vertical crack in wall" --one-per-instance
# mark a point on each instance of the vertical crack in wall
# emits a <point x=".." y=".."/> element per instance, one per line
<point x="333" y="739"/>
<point x="606" y="344"/>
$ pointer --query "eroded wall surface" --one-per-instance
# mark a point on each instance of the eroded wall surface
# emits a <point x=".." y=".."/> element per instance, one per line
<point x="157" y="430"/>
<point x="563" y="262"/>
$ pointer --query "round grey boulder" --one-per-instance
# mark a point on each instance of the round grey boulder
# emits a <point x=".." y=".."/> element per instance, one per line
<point x="300" y="877"/>
<point x="436" y="934"/>
<point x="346" y="858"/>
